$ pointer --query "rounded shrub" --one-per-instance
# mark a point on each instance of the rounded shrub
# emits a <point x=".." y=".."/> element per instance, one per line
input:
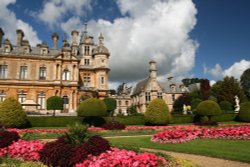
<point x="208" y="108"/>
<point x="244" y="114"/>
<point x="195" y="103"/>
<point x="226" y="106"/>
<point x="157" y="113"/>
<point x="12" y="113"/>
<point x="92" y="107"/>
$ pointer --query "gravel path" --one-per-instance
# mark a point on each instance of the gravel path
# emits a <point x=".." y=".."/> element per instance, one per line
<point x="204" y="161"/>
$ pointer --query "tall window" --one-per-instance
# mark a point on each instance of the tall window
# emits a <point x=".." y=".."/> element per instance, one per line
<point x="120" y="102"/>
<point x="66" y="75"/>
<point x="21" y="97"/>
<point x="2" y="97"/>
<point x="41" y="101"/>
<point x="147" y="96"/>
<point x="42" y="73"/>
<point x="86" y="62"/>
<point x="23" y="72"/>
<point x="126" y="102"/>
<point x="159" y="95"/>
<point x="173" y="97"/>
<point x="3" y="71"/>
<point x="86" y="50"/>
<point x="86" y="80"/>
<point x="102" y="80"/>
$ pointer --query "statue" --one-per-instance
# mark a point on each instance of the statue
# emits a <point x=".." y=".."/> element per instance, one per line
<point x="184" y="109"/>
<point x="237" y="102"/>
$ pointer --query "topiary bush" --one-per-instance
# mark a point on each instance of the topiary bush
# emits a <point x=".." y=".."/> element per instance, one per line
<point x="12" y="113"/>
<point x="226" y="106"/>
<point x="244" y="114"/>
<point x="7" y="138"/>
<point x="92" y="107"/>
<point x="111" y="104"/>
<point x="157" y="113"/>
<point x="114" y="126"/>
<point x="54" y="103"/>
<point x="208" y="108"/>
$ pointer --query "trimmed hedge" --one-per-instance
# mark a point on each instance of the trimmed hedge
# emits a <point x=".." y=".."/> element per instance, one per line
<point x="48" y="121"/>
<point x="128" y="120"/>
<point x="224" y="117"/>
<point x="208" y="108"/>
<point x="226" y="106"/>
<point x="92" y="107"/>
<point x="181" y="119"/>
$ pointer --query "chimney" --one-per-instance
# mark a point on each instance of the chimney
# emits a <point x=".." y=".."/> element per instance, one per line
<point x="1" y="36"/>
<point x="55" y="38"/>
<point x="153" y="69"/>
<point x="20" y="36"/>
<point x="74" y="35"/>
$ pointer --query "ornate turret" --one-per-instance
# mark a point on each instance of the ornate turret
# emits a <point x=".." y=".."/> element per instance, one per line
<point x="101" y="49"/>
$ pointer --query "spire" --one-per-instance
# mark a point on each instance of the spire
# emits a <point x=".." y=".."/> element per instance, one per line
<point x="101" y="38"/>
<point x="84" y="33"/>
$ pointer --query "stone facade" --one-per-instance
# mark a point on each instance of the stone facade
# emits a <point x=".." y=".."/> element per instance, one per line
<point x="149" y="89"/>
<point x="37" y="73"/>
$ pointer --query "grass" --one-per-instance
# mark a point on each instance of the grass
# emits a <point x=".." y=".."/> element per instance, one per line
<point x="226" y="149"/>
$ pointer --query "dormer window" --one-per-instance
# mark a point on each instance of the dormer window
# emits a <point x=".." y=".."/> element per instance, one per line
<point x="172" y="87"/>
<point x="7" y="49"/>
<point x="147" y="96"/>
<point x="26" y="50"/>
<point x="44" y="51"/>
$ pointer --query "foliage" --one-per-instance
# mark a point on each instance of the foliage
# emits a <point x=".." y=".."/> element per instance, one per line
<point x="195" y="103"/>
<point x="224" y="117"/>
<point x="10" y="162"/>
<point x="227" y="89"/>
<point x="82" y="98"/>
<point x="208" y="108"/>
<point x="7" y="138"/>
<point x="12" y="113"/>
<point x="205" y="89"/>
<point x="181" y="119"/>
<point x="92" y="107"/>
<point x="129" y="120"/>
<point x="54" y="103"/>
<point x="180" y="101"/>
<point x="226" y="106"/>
<point x="245" y="82"/>
<point x="244" y="114"/>
<point x="189" y="81"/>
<point x="195" y="94"/>
<point x="132" y="110"/>
<point x="77" y="134"/>
<point x="111" y="104"/>
<point x="94" y="121"/>
<point x="114" y="126"/>
<point x="157" y="113"/>
<point x="48" y="121"/>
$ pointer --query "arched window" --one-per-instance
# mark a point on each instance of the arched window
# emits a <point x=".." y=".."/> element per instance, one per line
<point x="66" y="75"/>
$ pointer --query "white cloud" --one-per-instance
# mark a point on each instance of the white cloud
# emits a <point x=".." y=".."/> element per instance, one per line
<point x="54" y="12"/>
<point x="235" y="70"/>
<point x="151" y="29"/>
<point x="10" y="23"/>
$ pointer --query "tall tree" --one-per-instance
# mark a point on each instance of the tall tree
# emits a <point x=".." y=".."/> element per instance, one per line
<point x="205" y="89"/>
<point x="245" y="82"/>
<point x="227" y="89"/>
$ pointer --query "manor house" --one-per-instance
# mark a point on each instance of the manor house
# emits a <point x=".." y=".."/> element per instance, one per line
<point x="76" y="69"/>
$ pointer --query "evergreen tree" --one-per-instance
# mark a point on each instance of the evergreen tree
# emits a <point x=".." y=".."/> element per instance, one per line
<point x="205" y="89"/>
<point x="227" y="89"/>
<point x="245" y="82"/>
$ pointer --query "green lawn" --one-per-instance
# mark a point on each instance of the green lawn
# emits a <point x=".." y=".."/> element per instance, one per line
<point x="226" y="149"/>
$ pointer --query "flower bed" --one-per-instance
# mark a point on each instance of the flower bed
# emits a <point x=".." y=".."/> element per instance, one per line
<point x="29" y="151"/>
<point x="185" y="135"/>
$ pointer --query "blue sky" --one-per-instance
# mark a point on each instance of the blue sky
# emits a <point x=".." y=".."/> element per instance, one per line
<point x="199" y="38"/>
